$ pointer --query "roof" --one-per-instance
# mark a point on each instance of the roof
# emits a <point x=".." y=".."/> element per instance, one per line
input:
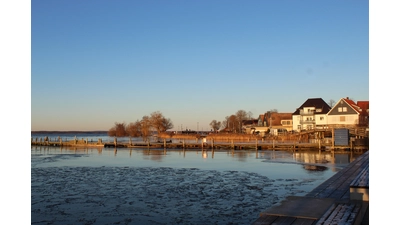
<point x="318" y="103"/>
<point x="364" y="105"/>
<point x="352" y="104"/>
<point x="278" y="117"/>
<point x="249" y="122"/>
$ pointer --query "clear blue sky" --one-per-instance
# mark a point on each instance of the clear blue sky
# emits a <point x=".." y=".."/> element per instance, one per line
<point x="94" y="63"/>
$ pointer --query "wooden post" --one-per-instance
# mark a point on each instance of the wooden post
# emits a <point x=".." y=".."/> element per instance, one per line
<point x="212" y="143"/>
<point x="256" y="144"/>
<point x="115" y="142"/>
<point x="351" y="145"/>
<point x="333" y="139"/>
<point x="183" y="146"/>
<point x="233" y="146"/>
<point x="165" y="143"/>
<point x="319" y="143"/>
<point x="273" y="144"/>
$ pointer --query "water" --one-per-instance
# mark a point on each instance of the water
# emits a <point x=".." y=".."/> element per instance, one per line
<point x="157" y="186"/>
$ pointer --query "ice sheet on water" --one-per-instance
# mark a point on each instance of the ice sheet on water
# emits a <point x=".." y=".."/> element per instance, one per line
<point x="108" y="195"/>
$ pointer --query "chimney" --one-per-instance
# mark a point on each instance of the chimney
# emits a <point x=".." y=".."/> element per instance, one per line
<point x="347" y="97"/>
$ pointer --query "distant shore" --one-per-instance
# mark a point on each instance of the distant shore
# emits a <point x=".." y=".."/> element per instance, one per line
<point x="90" y="132"/>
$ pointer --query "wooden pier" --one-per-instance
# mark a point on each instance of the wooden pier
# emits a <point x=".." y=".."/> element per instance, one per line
<point x="223" y="145"/>
<point x="342" y="199"/>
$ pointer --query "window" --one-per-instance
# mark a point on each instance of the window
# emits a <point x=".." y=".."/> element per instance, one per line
<point x="321" y="118"/>
<point x="344" y="109"/>
<point x="340" y="109"/>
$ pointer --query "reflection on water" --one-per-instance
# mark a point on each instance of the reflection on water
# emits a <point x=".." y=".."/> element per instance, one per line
<point x="267" y="162"/>
<point x="315" y="168"/>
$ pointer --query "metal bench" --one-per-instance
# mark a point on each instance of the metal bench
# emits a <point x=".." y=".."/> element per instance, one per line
<point x="341" y="214"/>
<point x="359" y="187"/>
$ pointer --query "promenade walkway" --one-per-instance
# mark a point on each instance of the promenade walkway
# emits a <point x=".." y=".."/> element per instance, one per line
<point x="326" y="203"/>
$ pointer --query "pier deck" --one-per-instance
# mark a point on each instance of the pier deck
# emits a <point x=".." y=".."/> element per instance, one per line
<point x="198" y="145"/>
<point x="328" y="201"/>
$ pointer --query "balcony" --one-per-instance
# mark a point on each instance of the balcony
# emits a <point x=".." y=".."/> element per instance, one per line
<point x="304" y="113"/>
<point x="307" y="121"/>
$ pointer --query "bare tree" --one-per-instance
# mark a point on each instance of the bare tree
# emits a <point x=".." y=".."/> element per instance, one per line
<point x="231" y="123"/>
<point x="145" y="125"/>
<point x="249" y="115"/>
<point x="167" y="124"/>
<point x="241" y="115"/>
<point x="159" y="122"/>
<point x="134" y="129"/>
<point x="331" y="103"/>
<point x="119" y="130"/>
<point x="112" y="132"/>
<point x="215" y="125"/>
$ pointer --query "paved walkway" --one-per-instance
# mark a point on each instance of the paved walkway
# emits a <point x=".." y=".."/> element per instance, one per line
<point x="310" y="208"/>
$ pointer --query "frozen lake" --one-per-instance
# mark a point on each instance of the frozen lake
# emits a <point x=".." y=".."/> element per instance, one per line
<point x="157" y="186"/>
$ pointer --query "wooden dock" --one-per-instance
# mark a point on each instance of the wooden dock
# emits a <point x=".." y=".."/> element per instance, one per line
<point x="240" y="145"/>
<point x="329" y="203"/>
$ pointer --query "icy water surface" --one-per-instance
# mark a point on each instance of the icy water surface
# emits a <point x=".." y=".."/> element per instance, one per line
<point x="141" y="186"/>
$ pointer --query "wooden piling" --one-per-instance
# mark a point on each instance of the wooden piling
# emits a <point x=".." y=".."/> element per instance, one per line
<point x="319" y="144"/>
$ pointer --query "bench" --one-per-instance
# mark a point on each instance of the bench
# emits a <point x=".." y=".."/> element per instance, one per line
<point x="341" y="214"/>
<point x="359" y="187"/>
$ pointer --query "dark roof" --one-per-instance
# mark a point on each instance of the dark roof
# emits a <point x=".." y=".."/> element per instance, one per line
<point x="318" y="103"/>
<point x="249" y="122"/>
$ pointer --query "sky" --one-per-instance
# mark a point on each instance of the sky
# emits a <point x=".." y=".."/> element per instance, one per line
<point x="95" y="63"/>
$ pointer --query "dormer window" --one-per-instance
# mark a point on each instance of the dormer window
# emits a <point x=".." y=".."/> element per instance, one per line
<point x="319" y="110"/>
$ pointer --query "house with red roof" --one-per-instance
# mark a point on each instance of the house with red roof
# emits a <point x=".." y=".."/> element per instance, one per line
<point x="348" y="113"/>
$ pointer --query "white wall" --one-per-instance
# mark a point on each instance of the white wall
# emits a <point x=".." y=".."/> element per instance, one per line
<point x="348" y="119"/>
